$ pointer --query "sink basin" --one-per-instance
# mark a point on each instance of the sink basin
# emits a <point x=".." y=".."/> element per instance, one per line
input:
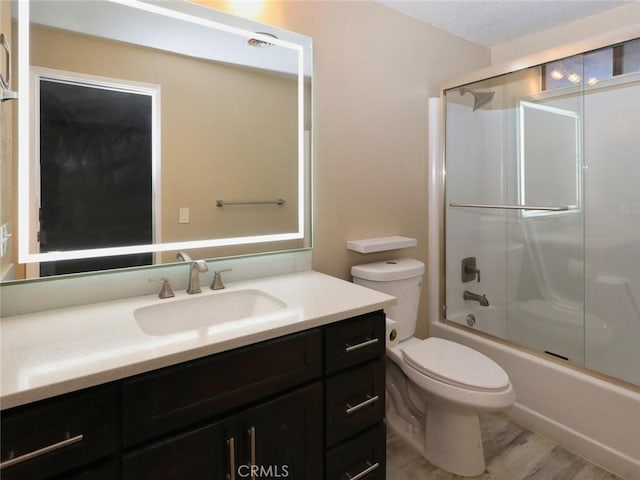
<point x="205" y="311"/>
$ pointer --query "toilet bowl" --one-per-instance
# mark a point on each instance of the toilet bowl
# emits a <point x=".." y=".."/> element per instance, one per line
<point x="435" y="388"/>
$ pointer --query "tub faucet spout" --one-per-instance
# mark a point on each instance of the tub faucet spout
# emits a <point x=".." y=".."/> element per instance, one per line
<point x="481" y="299"/>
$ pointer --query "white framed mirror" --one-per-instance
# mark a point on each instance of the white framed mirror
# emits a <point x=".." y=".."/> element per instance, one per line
<point x="229" y="136"/>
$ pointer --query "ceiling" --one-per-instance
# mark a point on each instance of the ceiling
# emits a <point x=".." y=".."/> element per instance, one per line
<point x="491" y="22"/>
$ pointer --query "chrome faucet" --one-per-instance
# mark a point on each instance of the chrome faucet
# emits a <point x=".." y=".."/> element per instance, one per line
<point x="481" y="299"/>
<point x="195" y="269"/>
<point x="184" y="257"/>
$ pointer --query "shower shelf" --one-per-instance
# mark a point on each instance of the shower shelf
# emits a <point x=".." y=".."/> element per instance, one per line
<point x="510" y="207"/>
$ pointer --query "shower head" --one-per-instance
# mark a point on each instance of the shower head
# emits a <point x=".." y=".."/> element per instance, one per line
<point x="480" y="98"/>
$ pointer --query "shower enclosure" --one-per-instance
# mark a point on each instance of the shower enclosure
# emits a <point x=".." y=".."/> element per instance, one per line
<point x="542" y="209"/>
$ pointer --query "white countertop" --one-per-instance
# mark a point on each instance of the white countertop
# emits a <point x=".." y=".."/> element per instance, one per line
<point x="59" y="351"/>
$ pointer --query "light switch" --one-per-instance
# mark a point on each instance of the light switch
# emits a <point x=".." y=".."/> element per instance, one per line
<point x="184" y="215"/>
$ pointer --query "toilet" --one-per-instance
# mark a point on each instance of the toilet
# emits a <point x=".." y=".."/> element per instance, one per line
<point x="435" y="388"/>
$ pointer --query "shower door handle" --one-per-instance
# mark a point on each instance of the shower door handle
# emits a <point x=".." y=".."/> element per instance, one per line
<point x="563" y="208"/>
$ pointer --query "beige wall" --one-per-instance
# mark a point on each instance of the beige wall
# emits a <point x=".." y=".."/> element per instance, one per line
<point x="375" y="68"/>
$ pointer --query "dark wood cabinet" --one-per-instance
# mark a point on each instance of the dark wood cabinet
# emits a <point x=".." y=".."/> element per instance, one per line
<point x="276" y="409"/>
<point x="169" y="399"/>
<point x="354" y="341"/>
<point x="362" y="457"/>
<point x="202" y="453"/>
<point x="279" y="438"/>
<point x="283" y="437"/>
<point x="355" y="398"/>
<point x="42" y="440"/>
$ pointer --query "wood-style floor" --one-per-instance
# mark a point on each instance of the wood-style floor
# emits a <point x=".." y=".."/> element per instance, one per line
<point x="511" y="452"/>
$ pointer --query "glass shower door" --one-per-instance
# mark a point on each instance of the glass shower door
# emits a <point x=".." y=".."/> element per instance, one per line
<point x="542" y="212"/>
<point x="545" y="246"/>
<point x="476" y="237"/>
<point x="514" y="205"/>
<point x="612" y="224"/>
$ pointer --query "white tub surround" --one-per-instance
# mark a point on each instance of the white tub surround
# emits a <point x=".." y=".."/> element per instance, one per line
<point x="58" y="351"/>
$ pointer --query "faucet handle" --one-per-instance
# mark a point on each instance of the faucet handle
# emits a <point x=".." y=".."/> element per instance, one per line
<point x="469" y="270"/>
<point x="165" y="291"/>
<point x="217" y="279"/>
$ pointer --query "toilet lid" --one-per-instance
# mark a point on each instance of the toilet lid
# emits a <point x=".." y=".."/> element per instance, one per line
<point x="455" y="364"/>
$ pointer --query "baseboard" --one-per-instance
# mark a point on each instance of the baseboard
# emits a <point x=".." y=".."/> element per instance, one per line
<point x="603" y="456"/>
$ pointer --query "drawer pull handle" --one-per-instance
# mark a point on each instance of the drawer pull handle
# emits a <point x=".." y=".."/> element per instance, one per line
<point x="41" y="451"/>
<point x="357" y="346"/>
<point x="231" y="443"/>
<point x="370" y="400"/>
<point x="365" y="472"/>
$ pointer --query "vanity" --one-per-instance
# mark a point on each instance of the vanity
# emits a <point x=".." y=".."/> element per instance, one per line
<point x="296" y="393"/>
<point x="279" y="377"/>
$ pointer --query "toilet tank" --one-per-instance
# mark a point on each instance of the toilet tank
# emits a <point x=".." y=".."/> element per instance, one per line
<point x="401" y="278"/>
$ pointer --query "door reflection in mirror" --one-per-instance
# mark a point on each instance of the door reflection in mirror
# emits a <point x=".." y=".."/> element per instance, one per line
<point x="95" y="171"/>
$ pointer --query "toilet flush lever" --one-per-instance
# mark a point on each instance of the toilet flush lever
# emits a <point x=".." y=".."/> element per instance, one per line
<point x="469" y="270"/>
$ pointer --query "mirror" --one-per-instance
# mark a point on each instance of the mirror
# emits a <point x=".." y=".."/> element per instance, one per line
<point x="152" y="127"/>
<point x="549" y="141"/>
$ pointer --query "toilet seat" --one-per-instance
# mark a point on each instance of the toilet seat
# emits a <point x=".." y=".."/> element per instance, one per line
<point x="455" y="364"/>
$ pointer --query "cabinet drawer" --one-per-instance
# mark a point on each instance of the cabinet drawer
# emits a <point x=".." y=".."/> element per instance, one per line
<point x="58" y="435"/>
<point x="354" y="341"/>
<point x="355" y="400"/>
<point x="364" y="457"/>
<point x="178" y="396"/>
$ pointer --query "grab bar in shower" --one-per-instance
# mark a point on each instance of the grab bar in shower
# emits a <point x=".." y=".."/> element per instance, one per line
<point x="510" y="207"/>
<point x="277" y="201"/>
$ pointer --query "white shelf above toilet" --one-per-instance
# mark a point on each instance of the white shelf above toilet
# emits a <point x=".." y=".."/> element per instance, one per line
<point x="381" y="244"/>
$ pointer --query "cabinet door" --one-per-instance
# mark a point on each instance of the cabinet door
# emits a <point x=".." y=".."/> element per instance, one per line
<point x="206" y="453"/>
<point x="58" y="435"/>
<point x="283" y="437"/>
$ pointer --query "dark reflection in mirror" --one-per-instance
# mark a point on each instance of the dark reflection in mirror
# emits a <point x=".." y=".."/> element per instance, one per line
<point x="95" y="174"/>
